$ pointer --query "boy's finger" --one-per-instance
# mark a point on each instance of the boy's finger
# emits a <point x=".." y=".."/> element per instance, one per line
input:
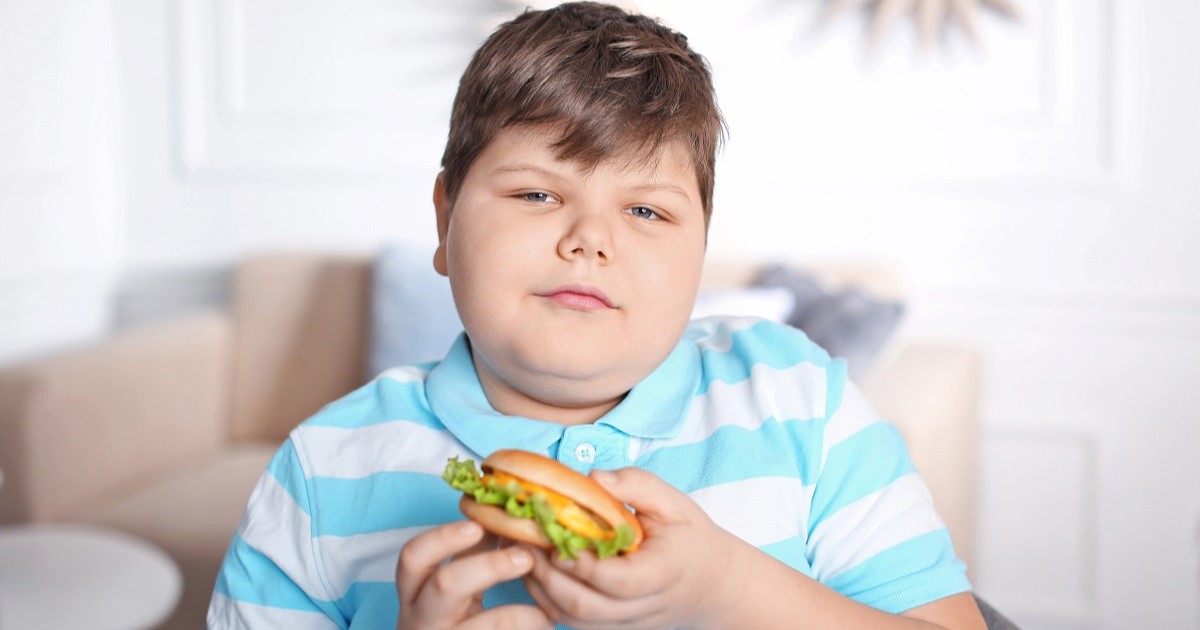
<point x="514" y="616"/>
<point x="624" y="577"/>
<point x="420" y="557"/>
<point x="643" y="490"/>
<point x="548" y="605"/>
<point x="489" y="542"/>
<point x="580" y="603"/>
<point x="448" y="592"/>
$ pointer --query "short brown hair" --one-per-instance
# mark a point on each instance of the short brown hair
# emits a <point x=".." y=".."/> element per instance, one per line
<point x="616" y="84"/>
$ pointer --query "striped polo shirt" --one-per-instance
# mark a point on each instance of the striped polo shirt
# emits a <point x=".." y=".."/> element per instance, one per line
<point x="757" y="424"/>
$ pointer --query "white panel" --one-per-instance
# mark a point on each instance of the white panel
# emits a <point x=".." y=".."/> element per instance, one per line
<point x="1034" y="102"/>
<point x="1011" y="170"/>
<point x="315" y="88"/>
<point x="1037" y="544"/>
<point x="1085" y="400"/>
<point x="59" y="162"/>
<point x="60" y="174"/>
<point x="1076" y="363"/>
<point x="1149" y="521"/>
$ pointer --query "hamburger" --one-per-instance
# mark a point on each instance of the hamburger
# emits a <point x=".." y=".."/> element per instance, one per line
<point x="530" y="498"/>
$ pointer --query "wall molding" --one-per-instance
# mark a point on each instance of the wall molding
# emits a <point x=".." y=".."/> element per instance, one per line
<point x="220" y="135"/>
<point x="1081" y="129"/>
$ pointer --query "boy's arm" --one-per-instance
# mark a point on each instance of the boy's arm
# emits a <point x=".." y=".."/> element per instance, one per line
<point x="763" y="591"/>
<point x="873" y="534"/>
<point x="691" y="572"/>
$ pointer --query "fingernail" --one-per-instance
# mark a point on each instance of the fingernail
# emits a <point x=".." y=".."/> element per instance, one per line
<point x="520" y="558"/>
<point x="564" y="561"/>
<point x="469" y="528"/>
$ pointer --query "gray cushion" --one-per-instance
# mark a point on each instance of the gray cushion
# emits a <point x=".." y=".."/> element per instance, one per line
<point x="993" y="618"/>
<point x="848" y="323"/>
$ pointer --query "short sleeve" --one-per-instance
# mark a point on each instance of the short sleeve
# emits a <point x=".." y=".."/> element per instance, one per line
<point x="873" y="533"/>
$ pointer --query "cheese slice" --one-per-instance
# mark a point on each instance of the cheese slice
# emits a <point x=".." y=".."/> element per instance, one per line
<point x="567" y="513"/>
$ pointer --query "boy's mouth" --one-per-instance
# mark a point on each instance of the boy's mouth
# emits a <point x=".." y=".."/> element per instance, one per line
<point x="579" y="297"/>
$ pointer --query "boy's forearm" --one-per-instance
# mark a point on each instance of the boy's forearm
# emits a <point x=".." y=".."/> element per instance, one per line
<point x="766" y="593"/>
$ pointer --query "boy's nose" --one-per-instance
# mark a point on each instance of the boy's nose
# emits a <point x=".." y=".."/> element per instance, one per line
<point x="587" y="236"/>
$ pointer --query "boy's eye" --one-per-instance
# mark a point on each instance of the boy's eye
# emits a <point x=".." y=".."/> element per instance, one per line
<point x="642" y="212"/>
<point x="536" y="197"/>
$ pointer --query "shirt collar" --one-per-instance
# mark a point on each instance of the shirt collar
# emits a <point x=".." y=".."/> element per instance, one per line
<point x="657" y="406"/>
<point x="456" y="397"/>
<point x="654" y="409"/>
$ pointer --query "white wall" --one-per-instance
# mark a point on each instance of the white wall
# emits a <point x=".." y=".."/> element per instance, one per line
<point x="1042" y="193"/>
<point x="61" y="174"/>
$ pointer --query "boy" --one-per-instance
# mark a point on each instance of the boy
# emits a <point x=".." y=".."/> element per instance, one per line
<point x="572" y="215"/>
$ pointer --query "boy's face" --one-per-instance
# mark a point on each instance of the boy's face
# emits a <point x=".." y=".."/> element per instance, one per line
<point x="572" y="285"/>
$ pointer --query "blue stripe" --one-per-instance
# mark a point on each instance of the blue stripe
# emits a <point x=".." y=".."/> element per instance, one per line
<point x="912" y="573"/>
<point x="285" y="468"/>
<point x="375" y="604"/>
<point x="506" y="593"/>
<point x="248" y="575"/>
<point x="734" y="453"/>
<point x="864" y="463"/>
<point x="382" y="501"/>
<point x="808" y="436"/>
<point x="379" y="401"/>
<point x="765" y="343"/>
<point x="835" y="385"/>
<point x="730" y="454"/>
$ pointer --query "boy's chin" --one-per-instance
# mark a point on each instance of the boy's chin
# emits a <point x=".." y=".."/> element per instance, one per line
<point x="570" y="391"/>
<point x="577" y="392"/>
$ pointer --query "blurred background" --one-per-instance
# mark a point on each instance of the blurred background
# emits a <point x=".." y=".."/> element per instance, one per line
<point x="1039" y="185"/>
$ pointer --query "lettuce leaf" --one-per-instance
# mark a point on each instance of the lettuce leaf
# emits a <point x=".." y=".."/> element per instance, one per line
<point x="462" y="475"/>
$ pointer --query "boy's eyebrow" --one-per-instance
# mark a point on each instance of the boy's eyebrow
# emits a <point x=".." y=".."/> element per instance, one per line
<point x="640" y="188"/>
<point x="519" y="168"/>
<point x="671" y="188"/>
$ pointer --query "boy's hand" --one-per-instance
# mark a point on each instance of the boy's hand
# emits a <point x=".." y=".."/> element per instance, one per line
<point x="686" y="572"/>
<point x="442" y="574"/>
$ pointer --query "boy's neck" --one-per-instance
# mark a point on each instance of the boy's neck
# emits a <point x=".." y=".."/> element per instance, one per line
<point x="511" y="402"/>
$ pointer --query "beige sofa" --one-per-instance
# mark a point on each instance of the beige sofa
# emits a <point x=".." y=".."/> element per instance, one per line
<point x="162" y="431"/>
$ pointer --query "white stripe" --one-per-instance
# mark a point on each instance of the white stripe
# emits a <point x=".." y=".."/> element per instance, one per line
<point x="877" y="522"/>
<point x="282" y="531"/>
<point x="760" y="511"/>
<point x="405" y="374"/>
<point x="397" y="446"/>
<point x="364" y="557"/>
<point x="797" y="392"/>
<point x="225" y="613"/>
<point x="852" y="416"/>
<point x="716" y="333"/>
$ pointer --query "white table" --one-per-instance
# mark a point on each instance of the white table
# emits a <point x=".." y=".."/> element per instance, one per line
<point x="81" y="576"/>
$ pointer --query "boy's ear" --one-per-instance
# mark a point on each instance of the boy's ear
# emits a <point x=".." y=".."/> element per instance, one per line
<point x="441" y="205"/>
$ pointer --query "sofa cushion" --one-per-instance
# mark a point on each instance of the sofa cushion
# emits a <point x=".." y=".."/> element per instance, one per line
<point x="77" y="426"/>
<point x="300" y="330"/>
<point x="192" y="514"/>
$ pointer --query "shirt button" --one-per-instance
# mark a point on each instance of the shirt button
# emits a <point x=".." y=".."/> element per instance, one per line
<point x="585" y="453"/>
